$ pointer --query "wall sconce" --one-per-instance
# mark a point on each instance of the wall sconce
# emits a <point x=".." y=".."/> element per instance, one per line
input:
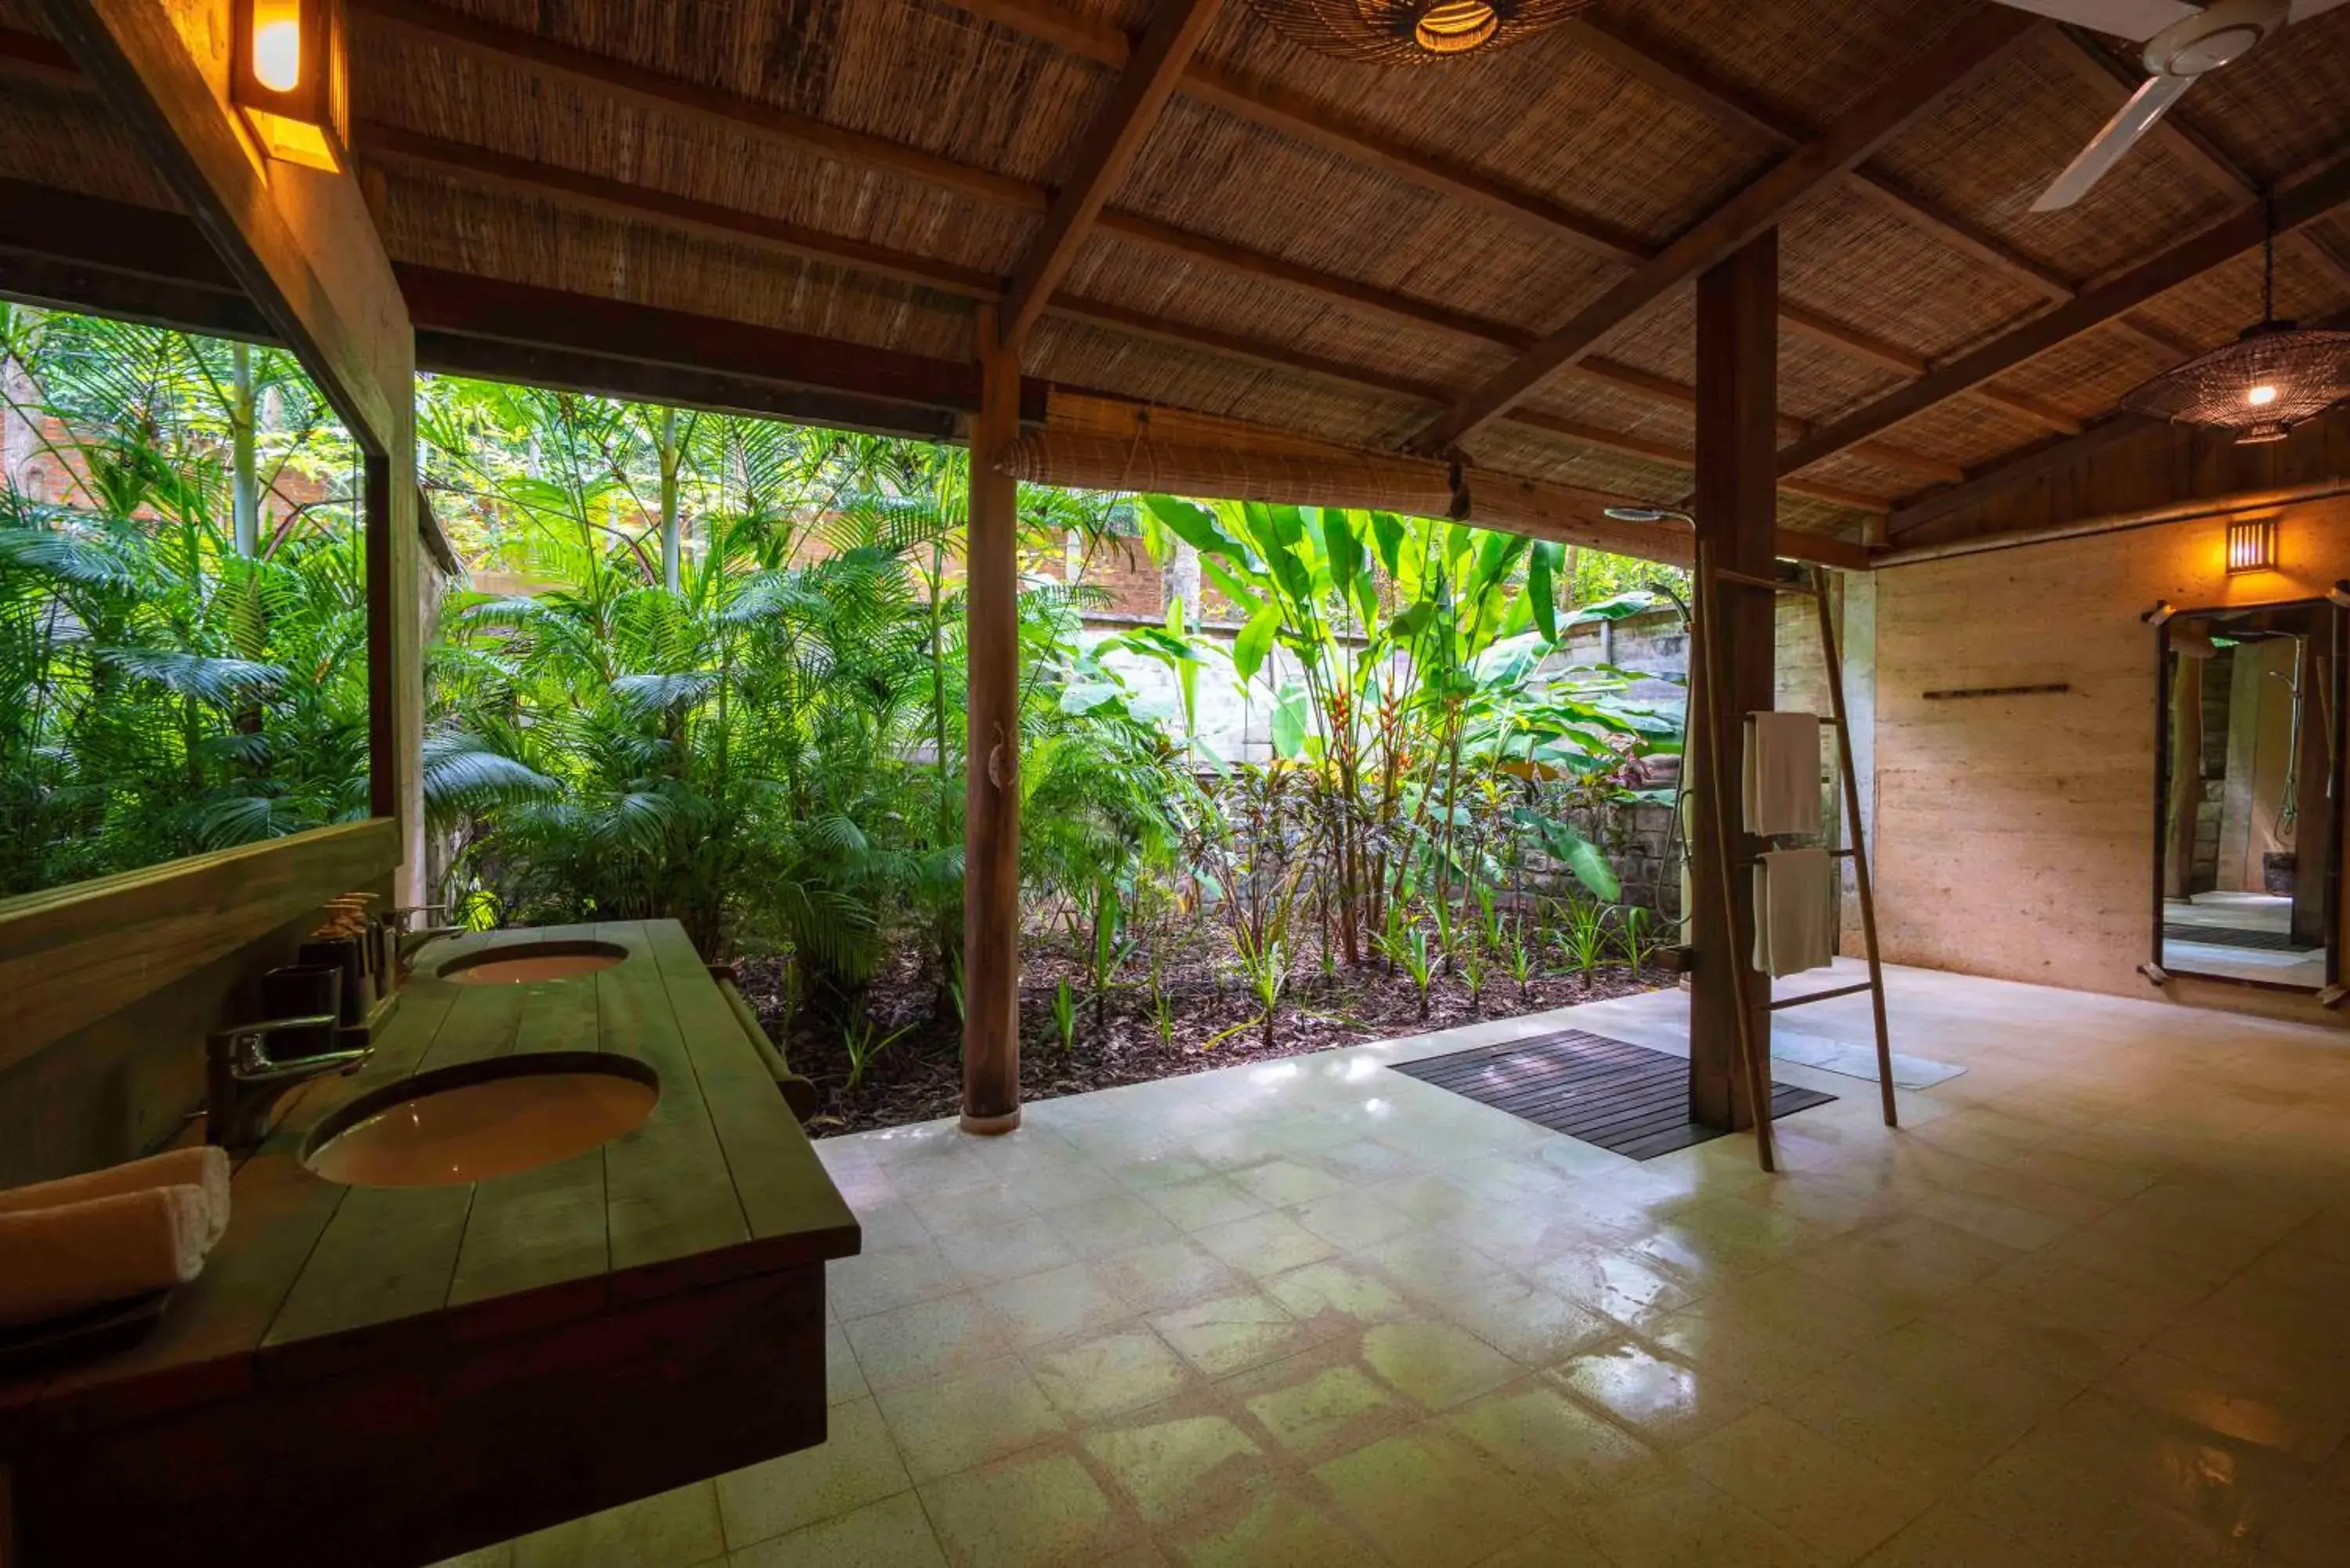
<point x="2251" y="544"/>
<point x="290" y="80"/>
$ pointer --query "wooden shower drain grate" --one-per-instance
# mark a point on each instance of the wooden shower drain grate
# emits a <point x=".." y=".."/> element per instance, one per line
<point x="1626" y="1098"/>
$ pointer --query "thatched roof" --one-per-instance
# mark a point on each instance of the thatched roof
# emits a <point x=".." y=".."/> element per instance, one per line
<point x="1327" y="249"/>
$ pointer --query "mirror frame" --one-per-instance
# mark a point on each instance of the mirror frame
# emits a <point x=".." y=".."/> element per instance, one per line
<point x="2335" y="688"/>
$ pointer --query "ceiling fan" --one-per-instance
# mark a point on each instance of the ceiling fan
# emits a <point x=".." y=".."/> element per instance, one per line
<point x="2182" y="43"/>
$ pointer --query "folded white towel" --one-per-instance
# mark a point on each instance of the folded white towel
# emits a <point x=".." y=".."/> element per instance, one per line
<point x="203" y="1167"/>
<point x="77" y="1255"/>
<point x="1795" y="911"/>
<point x="1781" y="776"/>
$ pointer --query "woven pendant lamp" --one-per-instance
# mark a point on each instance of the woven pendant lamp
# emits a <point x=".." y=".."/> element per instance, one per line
<point x="1412" y="32"/>
<point x="2276" y="376"/>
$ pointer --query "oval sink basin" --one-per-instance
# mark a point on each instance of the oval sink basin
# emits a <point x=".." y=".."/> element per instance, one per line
<point x="482" y="1119"/>
<point x="526" y="961"/>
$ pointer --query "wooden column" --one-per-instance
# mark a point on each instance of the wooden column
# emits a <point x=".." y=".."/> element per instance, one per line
<point x="991" y="888"/>
<point x="1736" y="509"/>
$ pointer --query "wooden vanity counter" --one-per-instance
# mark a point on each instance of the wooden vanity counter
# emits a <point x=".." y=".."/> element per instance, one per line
<point x="391" y="1375"/>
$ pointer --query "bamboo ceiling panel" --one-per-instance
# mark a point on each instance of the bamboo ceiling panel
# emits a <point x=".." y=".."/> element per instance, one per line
<point x="1606" y="407"/>
<point x="1562" y="126"/>
<point x="459" y="98"/>
<point x="2090" y="373"/>
<point x="1997" y="143"/>
<point x="436" y="222"/>
<point x="1203" y="172"/>
<point x="1096" y="360"/>
<point x="1807" y="58"/>
<point x="1845" y="257"/>
<point x="57" y="136"/>
<point x="2215" y="307"/>
<point x="1545" y="117"/>
<point x="1968" y="432"/>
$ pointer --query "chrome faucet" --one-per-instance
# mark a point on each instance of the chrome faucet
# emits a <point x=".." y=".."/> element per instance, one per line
<point x="242" y="1080"/>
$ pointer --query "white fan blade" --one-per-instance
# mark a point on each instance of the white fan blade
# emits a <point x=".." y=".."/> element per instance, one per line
<point x="2132" y="120"/>
<point x="2137" y="20"/>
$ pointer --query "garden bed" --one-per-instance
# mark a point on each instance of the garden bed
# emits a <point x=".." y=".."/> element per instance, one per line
<point x="1210" y="1025"/>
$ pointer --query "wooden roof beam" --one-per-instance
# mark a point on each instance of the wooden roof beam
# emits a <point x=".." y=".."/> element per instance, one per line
<point x="1898" y="101"/>
<point x="1688" y="83"/>
<point x="1100" y="41"/>
<point x="2306" y="200"/>
<point x="30" y="54"/>
<point x="1276" y="108"/>
<point x="1892" y="356"/>
<point x="398" y="147"/>
<point x="1104" y="155"/>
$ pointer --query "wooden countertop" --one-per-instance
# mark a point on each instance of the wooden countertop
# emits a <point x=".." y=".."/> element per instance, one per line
<point x="313" y="1278"/>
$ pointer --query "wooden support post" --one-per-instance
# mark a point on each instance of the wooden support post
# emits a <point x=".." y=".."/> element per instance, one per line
<point x="991" y="896"/>
<point x="1737" y="376"/>
<point x="1848" y="780"/>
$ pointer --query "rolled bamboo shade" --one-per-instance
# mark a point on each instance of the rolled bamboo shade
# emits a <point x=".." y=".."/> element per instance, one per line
<point x="1335" y="478"/>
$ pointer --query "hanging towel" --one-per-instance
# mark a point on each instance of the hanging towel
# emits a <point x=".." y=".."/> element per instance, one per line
<point x="1783" y="773"/>
<point x="1795" y="923"/>
<point x="203" y="1167"/>
<point x="78" y="1255"/>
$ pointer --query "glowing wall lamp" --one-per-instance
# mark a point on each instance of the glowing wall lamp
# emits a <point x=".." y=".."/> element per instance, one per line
<point x="290" y="81"/>
<point x="2251" y="544"/>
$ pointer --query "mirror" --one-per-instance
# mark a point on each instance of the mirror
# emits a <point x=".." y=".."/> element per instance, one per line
<point x="183" y="607"/>
<point x="2248" y="805"/>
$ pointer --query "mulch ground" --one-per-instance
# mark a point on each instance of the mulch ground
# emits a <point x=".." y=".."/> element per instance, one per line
<point x="919" y="1078"/>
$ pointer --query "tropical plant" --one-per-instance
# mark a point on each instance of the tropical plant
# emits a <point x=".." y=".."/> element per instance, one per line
<point x="1405" y="943"/>
<point x="1632" y="932"/>
<point x="174" y="677"/>
<point x="1583" y="939"/>
<point x="862" y="1042"/>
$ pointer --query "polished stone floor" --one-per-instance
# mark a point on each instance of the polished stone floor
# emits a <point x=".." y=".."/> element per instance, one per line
<point x="2088" y="1306"/>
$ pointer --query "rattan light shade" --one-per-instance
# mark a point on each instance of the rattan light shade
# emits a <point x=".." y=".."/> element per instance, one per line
<point x="2267" y="381"/>
<point x="1412" y="32"/>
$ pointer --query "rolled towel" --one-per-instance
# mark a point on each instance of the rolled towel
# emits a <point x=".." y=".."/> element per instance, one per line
<point x="203" y="1167"/>
<point x="78" y="1255"/>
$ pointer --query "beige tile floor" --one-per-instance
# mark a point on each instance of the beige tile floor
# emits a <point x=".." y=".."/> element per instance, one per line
<point x="2088" y="1307"/>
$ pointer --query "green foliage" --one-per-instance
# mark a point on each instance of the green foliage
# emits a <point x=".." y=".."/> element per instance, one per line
<point x="712" y="668"/>
<point x="862" y="1041"/>
<point x="165" y="690"/>
<point x="1583" y="939"/>
<point x="1405" y="943"/>
<point x="771" y="751"/>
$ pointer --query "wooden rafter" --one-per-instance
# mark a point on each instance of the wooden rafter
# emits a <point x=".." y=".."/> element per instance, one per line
<point x="1692" y="85"/>
<point x="1275" y="107"/>
<point x="740" y="116"/>
<point x="593" y="193"/>
<point x="70" y="250"/>
<point x="2307" y="200"/>
<point x="1897" y="102"/>
<point x="1104" y="155"/>
<point x="1998" y="479"/>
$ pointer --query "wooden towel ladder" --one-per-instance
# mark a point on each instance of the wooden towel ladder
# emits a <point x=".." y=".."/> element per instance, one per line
<point x="1754" y="1066"/>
